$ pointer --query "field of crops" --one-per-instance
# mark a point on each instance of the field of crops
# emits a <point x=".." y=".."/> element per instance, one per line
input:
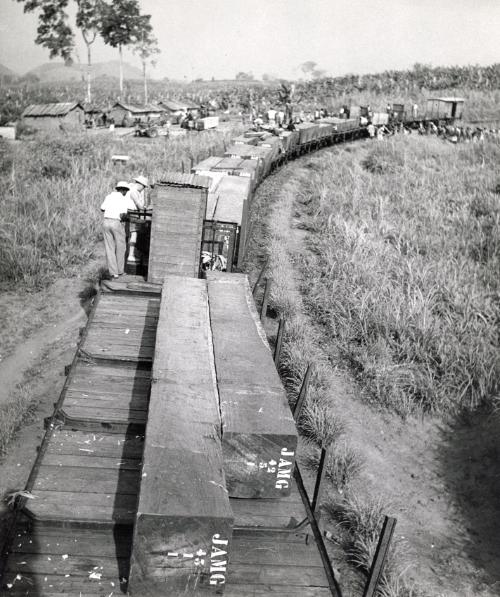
<point x="478" y="84"/>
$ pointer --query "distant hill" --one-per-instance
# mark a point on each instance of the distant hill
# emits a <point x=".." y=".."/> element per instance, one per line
<point x="7" y="72"/>
<point x="57" y="71"/>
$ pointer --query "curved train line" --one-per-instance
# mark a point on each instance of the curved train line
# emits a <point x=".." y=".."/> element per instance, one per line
<point x="210" y="515"/>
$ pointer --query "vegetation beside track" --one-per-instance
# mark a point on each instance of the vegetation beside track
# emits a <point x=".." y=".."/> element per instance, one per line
<point x="403" y="273"/>
<point x="53" y="186"/>
<point x="320" y="424"/>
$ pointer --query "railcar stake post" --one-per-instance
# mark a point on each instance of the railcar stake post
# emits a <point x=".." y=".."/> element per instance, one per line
<point x="303" y="392"/>
<point x="256" y="285"/>
<point x="279" y="341"/>
<point x="319" y="479"/>
<point x="380" y="556"/>
<point x="263" y="309"/>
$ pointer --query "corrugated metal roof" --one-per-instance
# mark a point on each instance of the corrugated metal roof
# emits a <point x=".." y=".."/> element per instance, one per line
<point x="446" y="99"/>
<point x="174" y="105"/>
<point x="55" y="109"/>
<point x="185" y="180"/>
<point x="135" y="109"/>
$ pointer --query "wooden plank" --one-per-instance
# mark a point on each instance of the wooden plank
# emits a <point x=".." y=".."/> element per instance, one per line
<point x="281" y="590"/>
<point x="259" y="437"/>
<point x="258" y="550"/>
<point x="188" y="205"/>
<point x="129" y="464"/>
<point x="184" y="521"/>
<point x="71" y="507"/>
<point x="86" y="480"/>
<point x="59" y="561"/>
<point x="77" y="565"/>
<point x="96" y="444"/>
<point x="301" y="576"/>
<point x="87" y="542"/>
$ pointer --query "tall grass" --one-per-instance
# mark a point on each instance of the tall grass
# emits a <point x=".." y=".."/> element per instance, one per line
<point x="320" y="423"/>
<point x="404" y="269"/>
<point x="53" y="186"/>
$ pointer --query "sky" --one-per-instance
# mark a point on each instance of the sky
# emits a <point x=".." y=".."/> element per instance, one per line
<point x="219" y="38"/>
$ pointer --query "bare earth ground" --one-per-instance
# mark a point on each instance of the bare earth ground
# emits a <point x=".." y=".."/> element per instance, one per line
<point x="440" y="478"/>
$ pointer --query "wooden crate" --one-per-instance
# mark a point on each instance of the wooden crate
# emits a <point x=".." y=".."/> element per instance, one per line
<point x="180" y="205"/>
<point x="259" y="436"/>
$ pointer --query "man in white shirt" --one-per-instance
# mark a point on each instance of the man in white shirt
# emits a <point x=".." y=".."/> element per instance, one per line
<point x="115" y="207"/>
<point x="137" y="191"/>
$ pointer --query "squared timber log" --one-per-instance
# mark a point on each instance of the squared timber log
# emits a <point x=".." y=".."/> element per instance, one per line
<point x="176" y="229"/>
<point x="184" y="522"/>
<point x="259" y="437"/>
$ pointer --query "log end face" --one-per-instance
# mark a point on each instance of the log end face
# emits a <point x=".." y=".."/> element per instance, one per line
<point x="258" y="466"/>
<point x="180" y="556"/>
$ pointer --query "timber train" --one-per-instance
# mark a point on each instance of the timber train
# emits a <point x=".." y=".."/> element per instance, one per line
<point x="158" y="451"/>
<point x="254" y="154"/>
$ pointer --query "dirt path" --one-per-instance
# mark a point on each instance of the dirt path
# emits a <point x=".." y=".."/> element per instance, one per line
<point x="440" y="479"/>
<point x="12" y="368"/>
<point x="38" y="337"/>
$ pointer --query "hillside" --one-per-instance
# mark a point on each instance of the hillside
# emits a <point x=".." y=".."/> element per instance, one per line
<point x="58" y="71"/>
<point x="7" y="72"/>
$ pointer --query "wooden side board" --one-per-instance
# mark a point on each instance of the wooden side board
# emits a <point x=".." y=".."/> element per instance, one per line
<point x="259" y="437"/>
<point x="184" y="522"/>
<point x="176" y="230"/>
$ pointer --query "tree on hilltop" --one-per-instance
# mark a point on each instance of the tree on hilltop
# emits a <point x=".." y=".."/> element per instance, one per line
<point x="55" y="34"/>
<point x="309" y="69"/>
<point x="241" y="76"/>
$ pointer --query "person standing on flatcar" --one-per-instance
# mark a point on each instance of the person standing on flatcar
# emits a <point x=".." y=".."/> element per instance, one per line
<point x="114" y="208"/>
<point x="137" y="188"/>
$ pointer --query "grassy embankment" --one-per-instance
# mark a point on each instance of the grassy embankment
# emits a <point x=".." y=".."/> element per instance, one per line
<point x="400" y="285"/>
<point x="53" y="186"/>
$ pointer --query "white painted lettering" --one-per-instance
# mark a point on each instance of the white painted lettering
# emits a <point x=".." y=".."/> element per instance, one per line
<point x="217" y="579"/>
<point x="216" y="540"/>
<point x="218" y="566"/>
<point x="281" y="484"/>
<point x="285" y="452"/>
<point x="217" y="553"/>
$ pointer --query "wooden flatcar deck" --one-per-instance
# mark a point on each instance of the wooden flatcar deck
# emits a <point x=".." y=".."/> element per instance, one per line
<point x="107" y="396"/>
<point x="75" y="536"/>
<point x="88" y="478"/>
<point x="267" y="562"/>
<point x="122" y="328"/>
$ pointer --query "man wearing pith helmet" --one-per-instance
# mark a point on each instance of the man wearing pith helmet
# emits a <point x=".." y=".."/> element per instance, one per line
<point x="137" y="191"/>
<point x="115" y="207"/>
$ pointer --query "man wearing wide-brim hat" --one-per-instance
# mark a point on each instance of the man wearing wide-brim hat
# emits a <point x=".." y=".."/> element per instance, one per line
<point x="137" y="191"/>
<point x="115" y="207"/>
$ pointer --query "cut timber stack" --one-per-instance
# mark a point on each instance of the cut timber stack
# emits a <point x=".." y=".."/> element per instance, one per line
<point x="184" y="521"/>
<point x="180" y="204"/>
<point x="259" y="437"/>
